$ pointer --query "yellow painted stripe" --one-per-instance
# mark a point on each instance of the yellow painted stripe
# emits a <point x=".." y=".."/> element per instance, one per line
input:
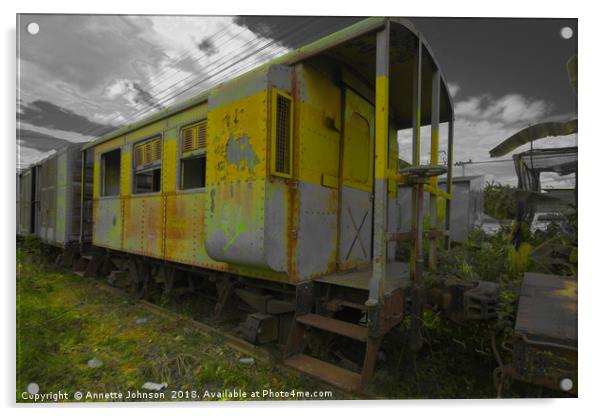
<point x="382" y="126"/>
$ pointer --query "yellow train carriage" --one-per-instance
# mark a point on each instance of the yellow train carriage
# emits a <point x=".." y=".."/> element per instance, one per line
<point x="288" y="175"/>
<point x="270" y="175"/>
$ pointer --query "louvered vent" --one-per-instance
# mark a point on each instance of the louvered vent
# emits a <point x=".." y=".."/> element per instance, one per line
<point x="194" y="138"/>
<point x="147" y="153"/>
<point x="283" y="135"/>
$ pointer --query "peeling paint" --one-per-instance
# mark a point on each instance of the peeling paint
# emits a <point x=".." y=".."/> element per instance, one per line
<point x="240" y="150"/>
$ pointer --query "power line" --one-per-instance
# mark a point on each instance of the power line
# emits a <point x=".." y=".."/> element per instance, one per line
<point x="214" y="65"/>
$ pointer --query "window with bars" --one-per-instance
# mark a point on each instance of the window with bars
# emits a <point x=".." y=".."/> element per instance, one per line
<point x="147" y="166"/>
<point x="193" y="160"/>
<point x="282" y="132"/>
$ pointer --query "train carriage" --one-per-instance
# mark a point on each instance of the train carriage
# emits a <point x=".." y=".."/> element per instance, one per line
<point x="26" y="219"/>
<point x="281" y="186"/>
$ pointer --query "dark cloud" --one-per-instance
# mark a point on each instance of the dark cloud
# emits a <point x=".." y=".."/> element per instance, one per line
<point x="39" y="141"/>
<point x="207" y="46"/>
<point x="294" y="31"/>
<point x="143" y="96"/>
<point x="90" y="51"/>
<point x="51" y="116"/>
<point x="502" y="56"/>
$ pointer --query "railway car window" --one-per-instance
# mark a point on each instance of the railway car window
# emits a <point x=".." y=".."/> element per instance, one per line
<point x="147" y="166"/>
<point x="281" y="154"/>
<point x="193" y="157"/>
<point x="111" y="171"/>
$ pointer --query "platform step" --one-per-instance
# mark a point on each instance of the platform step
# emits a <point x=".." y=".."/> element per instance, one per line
<point x="80" y="273"/>
<point x="336" y="305"/>
<point x="329" y="373"/>
<point x="86" y="256"/>
<point x="336" y="326"/>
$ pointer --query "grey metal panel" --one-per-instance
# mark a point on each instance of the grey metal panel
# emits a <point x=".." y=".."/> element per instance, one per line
<point x="466" y="206"/>
<point x="317" y="230"/>
<point x="24" y="202"/>
<point x="404" y="198"/>
<point x="355" y="241"/>
<point x="281" y="77"/>
<point x="48" y="179"/>
<point x="460" y="212"/>
<point x="58" y="180"/>
<point x="60" y="234"/>
<point x="107" y="221"/>
<point x="547" y="308"/>
<point x="278" y="76"/>
<point x="276" y="232"/>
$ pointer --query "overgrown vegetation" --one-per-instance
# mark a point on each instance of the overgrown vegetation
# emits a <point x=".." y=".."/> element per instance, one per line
<point x="457" y="360"/>
<point x="499" y="201"/>
<point x="64" y="321"/>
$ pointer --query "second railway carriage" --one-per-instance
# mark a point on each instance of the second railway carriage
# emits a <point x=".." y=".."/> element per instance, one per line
<point x="26" y="219"/>
<point x="50" y="203"/>
<point x="281" y="186"/>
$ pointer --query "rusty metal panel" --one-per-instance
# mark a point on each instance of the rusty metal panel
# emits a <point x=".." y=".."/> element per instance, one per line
<point x="143" y="225"/>
<point x="185" y="231"/>
<point x="547" y="308"/>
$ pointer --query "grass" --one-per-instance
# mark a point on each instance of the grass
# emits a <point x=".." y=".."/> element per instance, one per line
<point x="63" y="321"/>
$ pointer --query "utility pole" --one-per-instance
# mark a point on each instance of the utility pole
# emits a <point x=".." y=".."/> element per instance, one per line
<point x="463" y="164"/>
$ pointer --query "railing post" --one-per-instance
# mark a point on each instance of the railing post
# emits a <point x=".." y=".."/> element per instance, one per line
<point x="416" y="260"/>
<point x="416" y="104"/>
<point x="433" y="200"/>
<point x="379" y="260"/>
<point x="450" y="170"/>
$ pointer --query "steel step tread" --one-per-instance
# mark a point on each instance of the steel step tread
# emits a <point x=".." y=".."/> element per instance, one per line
<point x="336" y="302"/>
<point x="336" y="326"/>
<point x="329" y="373"/>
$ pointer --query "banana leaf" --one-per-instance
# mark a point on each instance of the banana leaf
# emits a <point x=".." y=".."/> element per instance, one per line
<point x="535" y="132"/>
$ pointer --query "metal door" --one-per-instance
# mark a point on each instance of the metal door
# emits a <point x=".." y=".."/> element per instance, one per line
<point x="357" y="179"/>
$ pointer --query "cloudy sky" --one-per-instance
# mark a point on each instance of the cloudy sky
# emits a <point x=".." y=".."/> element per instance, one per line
<point x="81" y="76"/>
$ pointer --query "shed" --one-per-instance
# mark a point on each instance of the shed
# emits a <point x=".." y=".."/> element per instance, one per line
<point x="466" y="205"/>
